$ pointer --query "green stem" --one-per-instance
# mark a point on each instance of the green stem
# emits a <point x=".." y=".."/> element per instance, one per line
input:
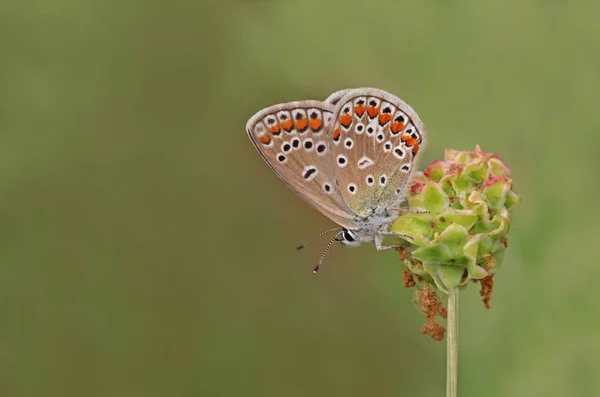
<point x="452" y="345"/>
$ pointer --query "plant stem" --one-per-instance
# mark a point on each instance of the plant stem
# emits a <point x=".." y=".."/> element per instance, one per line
<point x="452" y="345"/>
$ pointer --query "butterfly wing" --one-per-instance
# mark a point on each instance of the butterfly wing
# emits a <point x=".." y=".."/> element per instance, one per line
<point x="376" y="142"/>
<point x="336" y="96"/>
<point x="295" y="140"/>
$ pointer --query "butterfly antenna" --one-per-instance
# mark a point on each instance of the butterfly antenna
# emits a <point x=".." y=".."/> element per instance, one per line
<point x="316" y="269"/>
<point x="316" y="237"/>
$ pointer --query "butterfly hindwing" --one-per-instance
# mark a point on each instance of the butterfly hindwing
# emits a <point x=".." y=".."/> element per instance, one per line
<point x="376" y="141"/>
<point x="336" y="96"/>
<point x="295" y="140"/>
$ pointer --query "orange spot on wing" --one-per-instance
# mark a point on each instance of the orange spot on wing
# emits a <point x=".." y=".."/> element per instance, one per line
<point x="287" y="125"/>
<point x="276" y="129"/>
<point x="315" y="124"/>
<point x="416" y="148"/>
<point x="336" y="134"/>
<point x="384" y="118"/>
<point x="372" y="111"/>
<point x="301" y="124"/>
<point x="346" y="119"/>
<point x="397" y="127"/>
<point x="359" y="110"/>
<point x="265" y="138"/>
<point x="410" y="141"/>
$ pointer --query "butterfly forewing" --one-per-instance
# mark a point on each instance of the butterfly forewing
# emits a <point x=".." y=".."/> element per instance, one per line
<point x="376" y="140"/>
<point x="295" y="140"/>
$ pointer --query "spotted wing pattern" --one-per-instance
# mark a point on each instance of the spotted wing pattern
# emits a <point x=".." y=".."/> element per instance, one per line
<point x="295" y="140"/>
<point x="376" y="141"/>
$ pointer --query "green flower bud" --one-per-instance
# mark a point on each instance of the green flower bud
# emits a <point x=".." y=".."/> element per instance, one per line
<point x="459" y="213"/>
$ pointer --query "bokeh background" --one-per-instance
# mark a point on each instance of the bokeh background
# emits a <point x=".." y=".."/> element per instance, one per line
<point x="147" y="250"/>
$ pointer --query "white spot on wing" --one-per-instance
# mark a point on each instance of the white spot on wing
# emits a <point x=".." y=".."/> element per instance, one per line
<point x="399" y="116"/>
<point x="399" y="151"/>
<point x="308" y="145"/>
<point x="370" y="180"/>
<point x="342" y="161"/>
<point x="348" y="143"/>
<point x="352" y="188"/>
<point x="296" y="144"/>
<point x="385" y="106"/>
<point x="309" y="173"/>
<point x="282" y="158"/>
<point x="371" y="128"/>
<point x="365" y="162"/>
<point x="321" y="148"/>
<point x="383" y="180"/>
<point x="259" y="129"/>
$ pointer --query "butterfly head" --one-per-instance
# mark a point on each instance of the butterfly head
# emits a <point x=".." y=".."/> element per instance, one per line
<point x="348" y="238"/>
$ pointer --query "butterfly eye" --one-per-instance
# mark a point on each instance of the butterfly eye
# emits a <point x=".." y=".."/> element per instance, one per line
<point x="348" y="236"/>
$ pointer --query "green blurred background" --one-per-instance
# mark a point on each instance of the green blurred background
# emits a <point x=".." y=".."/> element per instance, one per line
<point x="147" y="250"/>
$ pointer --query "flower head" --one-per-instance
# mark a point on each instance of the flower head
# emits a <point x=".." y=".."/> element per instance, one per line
<point x="459" y="214"/>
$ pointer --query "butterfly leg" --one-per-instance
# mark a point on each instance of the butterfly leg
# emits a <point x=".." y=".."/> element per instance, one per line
<point x="407" y="210"/>
<point x="381" y="233"/>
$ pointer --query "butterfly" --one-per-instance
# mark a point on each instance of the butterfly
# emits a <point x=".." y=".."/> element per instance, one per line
<point x="350" y="157"/>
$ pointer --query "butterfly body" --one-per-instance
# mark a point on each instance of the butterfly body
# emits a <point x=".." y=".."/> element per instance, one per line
<point x="369" y="230"/>
<point x="350" y="156"/>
